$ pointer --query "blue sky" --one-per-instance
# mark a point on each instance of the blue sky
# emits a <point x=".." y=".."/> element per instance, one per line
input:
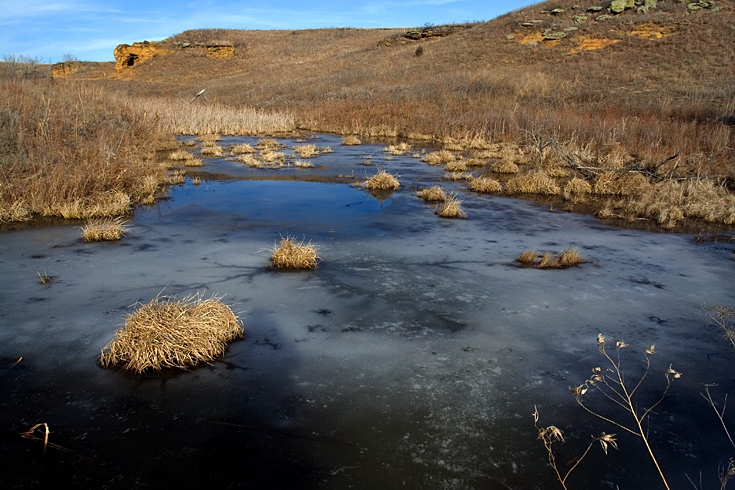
<point x="90" y="30"/>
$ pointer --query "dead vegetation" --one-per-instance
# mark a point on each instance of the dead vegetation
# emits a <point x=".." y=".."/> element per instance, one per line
<point x="484" y="185"/>
<point x="435" y="193"/>
<point x="351" y="141"/>
<point x="170" y="333"/>
<point x="382" y="181"/>
<point x="451" y="208"/>
<point x="104" y="229"/>
<point x="562" y="260"/>
<point x="290" y="254"/>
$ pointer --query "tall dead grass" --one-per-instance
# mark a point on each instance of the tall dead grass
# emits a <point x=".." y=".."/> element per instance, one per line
<point x="382" y="181"/>
<point x="73" y="150"/>
<point x="170" y="333"/>
<point x="290" y="254"/>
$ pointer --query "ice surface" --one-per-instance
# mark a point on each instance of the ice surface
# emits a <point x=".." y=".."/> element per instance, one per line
<point x="412" y="357"/>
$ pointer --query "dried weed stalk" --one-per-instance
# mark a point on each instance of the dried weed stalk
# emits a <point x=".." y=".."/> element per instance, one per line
<point x="612" y="384"/>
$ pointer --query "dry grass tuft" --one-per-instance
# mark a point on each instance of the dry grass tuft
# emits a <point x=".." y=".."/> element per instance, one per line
<point x="291" y="254"/>
<point x="179" y="155"/>
<point x="241" y="149"/>
<point x="351" y="141"/>
<point x="451" y="208"/>
<point x="249" y="160"/>
<point x="269" y="143"/>
<point x="457" y="166"/>
<point x="382" y="181"/>
<point x="398" y="150"/>
<point x="212" y="150"/>
<point x="568" y="258"/>
<point x="485" y="185"/>
<point x="505" y="167"/>
<point x="576" y="189"/>
<point x="306" y="151"/>
<point x="455" y="176"/>
<point x="303" y="164"/>
<point x="534" y="182"/>
<point x="208" y="139"/>
<point x="435" y="193"/>
<point x="104" y="229"/>
<point x="439" y="157"/>
<point x="170" y="333"/>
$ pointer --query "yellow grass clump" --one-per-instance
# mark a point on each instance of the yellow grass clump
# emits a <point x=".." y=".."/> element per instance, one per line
<point x="351" y="141"/>
<point x="209" y="138"/>
<point x="505" y="167"/>
<point x="451" y="208"/>
<point x="563" y="260"/>
<point x="179" y="155"/>
<point x="455" y="176"/>
<point x="534" y="182"/>
<point x="439" y="157"/>
<point x="241" y="149"/>
<point x="382" y="181"/>
<point x="303" y="164"/>
<point x="290" y="254"/>
<point x="485" y="185"/>
<point x="212" y="150"/>
<point x="306" y="151"/>
<point x="113" y="203"/>
<point x="576" y="189"/>
<point x="172" y="334"/>
<point x="435" y="193"/>
<point x="104" y="229"/>
<point x="268" y="143"/>
<point x="398" y="150"/>
<point x="271" y="157"/>
<point x="456" y="166"/>
<point x="249" y="160"/>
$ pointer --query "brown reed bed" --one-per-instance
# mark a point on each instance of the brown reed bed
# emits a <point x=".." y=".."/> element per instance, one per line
<point x="293" y="255"/>
<point x="451" y="208"/>
<point x="562" y="260"/>
<point x="382" y="181"/>
<point x="170" y="333"/>
<point x="104" y="229"/>
<point x="435" y="193"/>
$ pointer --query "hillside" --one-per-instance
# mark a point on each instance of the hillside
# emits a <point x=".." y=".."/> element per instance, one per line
<point x="598" y="91"/>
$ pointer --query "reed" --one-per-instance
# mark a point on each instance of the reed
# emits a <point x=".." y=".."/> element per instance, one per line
<point x="435" y="193"/>
<point x="451" y="208"/>
<point x="382" y="181"/>
<point x="484" y="185"/>
<point x="104" y="229"/>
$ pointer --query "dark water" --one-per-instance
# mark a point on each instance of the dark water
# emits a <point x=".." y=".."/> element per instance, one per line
<point x="412" y="357"/>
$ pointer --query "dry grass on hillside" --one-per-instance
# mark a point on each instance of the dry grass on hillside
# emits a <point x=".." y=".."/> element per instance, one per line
<point x="172" y="334"/>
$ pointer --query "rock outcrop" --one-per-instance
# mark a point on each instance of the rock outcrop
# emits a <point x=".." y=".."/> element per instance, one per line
<point x="128" y="56"/>
<point x="66" y="68"/>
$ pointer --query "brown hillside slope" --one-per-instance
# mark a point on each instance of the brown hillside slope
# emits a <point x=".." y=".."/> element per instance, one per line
<point x="660" y="83"/>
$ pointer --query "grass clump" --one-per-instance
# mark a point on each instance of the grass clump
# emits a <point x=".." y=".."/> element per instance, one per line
<point x="303" y="164"/>
<point x="435" y="193"/>
<point x="563" y="260"/>
<point x="455" y="176"/>
<point x="382" y="181"/>
<point x="534" y="182"/>
<point x="484" y="185"/>
<point x="290" y="254"/>
<point x="250" y="160"/>
<point x="104" y="229"/>
<point x="451" y="208"/>
<point x="168" y="333"/>
<point x="505" y="167"/>
<point x="268" y="143"/>
<point x="576" y="189"/>
<point x="241" y="149"/>
<point x="351" y="141"/>
<point x="439" y="157"/>
<point x="180" y="155"/>
<point x="212" y="150"/>
<point x="398" y="150"/>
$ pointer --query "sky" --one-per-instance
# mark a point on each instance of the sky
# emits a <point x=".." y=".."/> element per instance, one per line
<point x="89" y="30"/>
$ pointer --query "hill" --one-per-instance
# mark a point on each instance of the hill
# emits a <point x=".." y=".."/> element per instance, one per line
<point x="640" y="87"/>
